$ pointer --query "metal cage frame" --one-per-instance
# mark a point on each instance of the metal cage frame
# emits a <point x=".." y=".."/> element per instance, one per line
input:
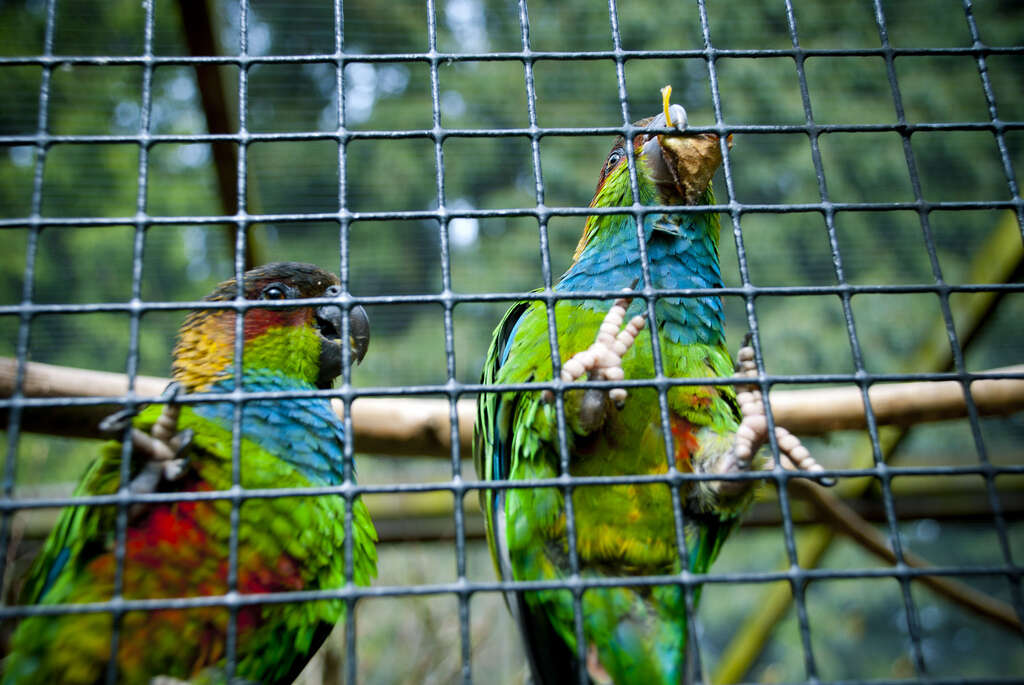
<point x="459" y="487"/>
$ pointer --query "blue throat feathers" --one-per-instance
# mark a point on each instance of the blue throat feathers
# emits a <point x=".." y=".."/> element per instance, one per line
<point x="297" y="430"/>
<point x="682" y="253"/>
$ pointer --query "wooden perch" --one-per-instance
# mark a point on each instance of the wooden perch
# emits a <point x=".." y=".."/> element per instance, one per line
<point x="416" y="426"/>
<point x="413" y="426"/>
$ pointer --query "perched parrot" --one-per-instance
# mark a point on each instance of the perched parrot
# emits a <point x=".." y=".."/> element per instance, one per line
<point x="633" y="634"/>
<point x="181" y="549"/>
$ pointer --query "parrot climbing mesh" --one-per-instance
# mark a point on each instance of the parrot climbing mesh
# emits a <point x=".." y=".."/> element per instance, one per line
<point x="176" y="164"/>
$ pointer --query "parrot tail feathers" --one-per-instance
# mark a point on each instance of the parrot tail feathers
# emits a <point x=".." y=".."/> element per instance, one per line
<point x="552" y="661"/>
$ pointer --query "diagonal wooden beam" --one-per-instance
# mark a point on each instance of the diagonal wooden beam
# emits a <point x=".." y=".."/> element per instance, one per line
<point x="197" y="25"/>
<point x="1000" y="260"/>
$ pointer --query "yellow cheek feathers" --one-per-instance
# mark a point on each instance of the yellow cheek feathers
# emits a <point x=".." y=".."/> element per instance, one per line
<point x="205" y="354"/>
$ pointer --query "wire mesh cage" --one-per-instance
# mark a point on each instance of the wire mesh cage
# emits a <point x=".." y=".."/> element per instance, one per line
<point x="440" y="157"/>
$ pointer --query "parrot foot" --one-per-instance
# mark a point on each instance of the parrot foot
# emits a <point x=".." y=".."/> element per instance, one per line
<point x="156" y="471"/>
<point x="165" y="446"/>
<point x="603" y="360"/>
<point x="149" y="478"/>
<point x="752" y="434"/>
<point x="164" y="442"/>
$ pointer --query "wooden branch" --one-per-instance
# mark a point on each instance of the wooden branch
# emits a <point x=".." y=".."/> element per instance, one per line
<point x="843" y="518"/>
<point x="198" y="28"/>
<point x="900" y="404"/>
<point x="414" y="426"/>
<point x="410" y="426"/>
<point x="422" y="426"/>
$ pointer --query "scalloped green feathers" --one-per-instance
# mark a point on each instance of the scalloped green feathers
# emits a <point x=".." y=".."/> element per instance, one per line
<point x="182" y="549"/>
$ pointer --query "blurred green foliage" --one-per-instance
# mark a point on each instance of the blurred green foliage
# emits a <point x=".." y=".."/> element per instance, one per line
<point x="857" y="632"/>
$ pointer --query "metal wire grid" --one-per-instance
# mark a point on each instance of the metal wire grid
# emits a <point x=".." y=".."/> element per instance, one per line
<point x="463" y="588"/>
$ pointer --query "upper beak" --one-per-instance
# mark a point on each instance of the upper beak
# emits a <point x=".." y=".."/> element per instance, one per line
<point x="329" y="319"/>
<point x="358" y="332"/>
<point x="681" y="164"/>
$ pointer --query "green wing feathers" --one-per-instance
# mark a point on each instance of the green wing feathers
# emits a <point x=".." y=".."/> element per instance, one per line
<point x="181" y="550"/>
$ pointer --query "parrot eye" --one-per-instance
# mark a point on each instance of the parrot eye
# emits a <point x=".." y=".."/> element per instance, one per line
<point x="273" y="292"/>
<point x="613" y="158"/>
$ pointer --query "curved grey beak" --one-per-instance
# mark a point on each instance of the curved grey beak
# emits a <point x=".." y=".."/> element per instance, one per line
<point x="328" y="319"/>
<point x="358" y="332"/>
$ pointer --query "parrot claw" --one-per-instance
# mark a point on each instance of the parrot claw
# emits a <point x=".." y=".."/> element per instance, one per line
<point x="166" y="425"/>
<point x="592" y="410"/>
<point x="182" y="441"/>
<point x="148" y="480"/>
<point x="165" y="446"/>
<point x="154" y="472"/>
<point x="752" y="434"/>
<point x="603" y="360"/>
<point x="175" y="469"/>
<point x="164" y="443"/>
<point x="117" y="422"/>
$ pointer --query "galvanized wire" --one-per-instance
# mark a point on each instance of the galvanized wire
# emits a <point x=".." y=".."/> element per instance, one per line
<point x="463" y="588"/>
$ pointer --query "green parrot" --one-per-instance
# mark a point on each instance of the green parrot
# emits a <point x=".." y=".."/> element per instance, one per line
<point x="632" y="633"/>
<point x="181" y="549"/>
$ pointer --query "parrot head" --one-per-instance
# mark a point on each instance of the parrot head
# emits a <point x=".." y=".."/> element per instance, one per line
<point x="301" y="341"/>
<point x="673" y="168"/>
